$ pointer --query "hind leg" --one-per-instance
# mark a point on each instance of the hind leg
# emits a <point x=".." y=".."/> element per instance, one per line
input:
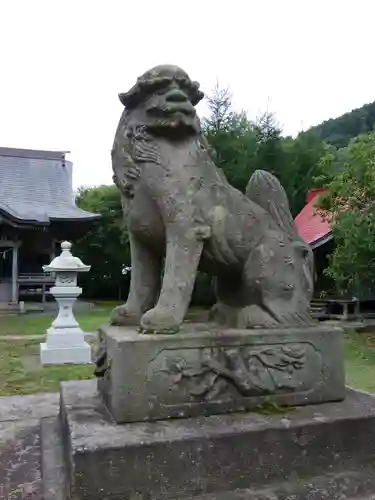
<point x="237" y="304"/>
<point x="271" y="274"/>
<point x="247" y="317"/>
<point x="230" y="300"/>
<point x="251" y="299"/>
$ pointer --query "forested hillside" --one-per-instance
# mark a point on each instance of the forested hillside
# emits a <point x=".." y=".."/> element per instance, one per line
<point x="339" y="131"/>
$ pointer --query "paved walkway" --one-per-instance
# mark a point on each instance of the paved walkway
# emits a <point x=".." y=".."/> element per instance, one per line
<point x="20" y="452"/>
<point x="20" y="473"/>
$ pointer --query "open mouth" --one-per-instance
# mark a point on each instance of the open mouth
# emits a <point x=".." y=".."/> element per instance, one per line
<point x="184" y="108"/>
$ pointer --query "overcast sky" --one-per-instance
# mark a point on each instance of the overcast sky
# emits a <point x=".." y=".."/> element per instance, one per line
<point x="64" y="62"/>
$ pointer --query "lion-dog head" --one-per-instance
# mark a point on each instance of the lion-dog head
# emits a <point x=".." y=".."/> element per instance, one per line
<point x="160" y="104"/>
<point x="163" y="101"/>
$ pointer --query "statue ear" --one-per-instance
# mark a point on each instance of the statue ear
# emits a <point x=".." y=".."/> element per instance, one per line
<point x="197" y="95"/>
<point x="122" y="98"/>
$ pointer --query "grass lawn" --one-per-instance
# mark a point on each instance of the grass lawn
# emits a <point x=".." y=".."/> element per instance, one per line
<point x="20" y="368"/>
<point x="22" y="373"/>
<point x="360" y="361"/>
<point x="30" y="324"/>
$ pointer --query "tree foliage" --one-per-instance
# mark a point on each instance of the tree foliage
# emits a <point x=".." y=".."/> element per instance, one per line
<point x="232" y="137"/>
<point x="301" y="168"/>
<point x="349" y="206"/>
<point x="105" y="246"/>
<point x="242" y="146"/>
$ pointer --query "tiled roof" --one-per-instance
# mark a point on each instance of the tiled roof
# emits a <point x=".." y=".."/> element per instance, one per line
<point x="33" y="153"/>
<point x="36" y="187"/>
<point x="310" y="226"/>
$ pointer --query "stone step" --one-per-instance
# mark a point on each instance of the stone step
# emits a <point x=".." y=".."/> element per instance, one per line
<point x="54" y="479"/>
<point x="350" y="485"/>
<point x="343" y="485"/>
<point x="313" y="452"/>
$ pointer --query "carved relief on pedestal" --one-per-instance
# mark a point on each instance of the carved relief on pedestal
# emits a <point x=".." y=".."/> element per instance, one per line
<point x="224" y="373"/>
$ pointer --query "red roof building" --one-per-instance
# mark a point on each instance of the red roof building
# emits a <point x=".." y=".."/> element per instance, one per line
<point x="310" y="226"/>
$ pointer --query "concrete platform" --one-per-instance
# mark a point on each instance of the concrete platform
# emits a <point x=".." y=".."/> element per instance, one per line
<point x="320" y="452"/>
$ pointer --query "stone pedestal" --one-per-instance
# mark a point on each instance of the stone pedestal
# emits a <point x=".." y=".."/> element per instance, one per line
<point x="204" y="370"/>
<point x="218" y="451"/>
<point x="65" y="347"/>
<point x="317" y="452"/>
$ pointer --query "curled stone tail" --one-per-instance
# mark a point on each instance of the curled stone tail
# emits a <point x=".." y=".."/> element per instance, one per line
<point x="267" y="192"/>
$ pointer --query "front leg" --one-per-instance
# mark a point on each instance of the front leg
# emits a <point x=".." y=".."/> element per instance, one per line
<point x="144" y="285"/>
<point x="183" y="252"/>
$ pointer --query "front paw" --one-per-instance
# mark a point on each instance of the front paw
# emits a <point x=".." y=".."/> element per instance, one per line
<point x="159" y="320"/>
<point x="124" y="316"/>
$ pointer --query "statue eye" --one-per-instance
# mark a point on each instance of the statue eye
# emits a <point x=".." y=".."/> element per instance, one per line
<point x="159" y="85"/>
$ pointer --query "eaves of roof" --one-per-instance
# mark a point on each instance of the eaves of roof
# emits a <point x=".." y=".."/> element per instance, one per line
<point x="312" y="228"/>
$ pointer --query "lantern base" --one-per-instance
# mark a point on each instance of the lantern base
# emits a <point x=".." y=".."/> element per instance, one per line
<point x="78" y="355"/>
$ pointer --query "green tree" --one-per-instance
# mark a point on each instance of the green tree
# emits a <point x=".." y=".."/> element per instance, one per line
<point x="232" y="136"/>
<point x="243" y="146"/>
<point x="301" y="168"/>
<point x="269" y="152"/>
<point x="221" y="111"/>
<point x="349" y="175"/>
<point x="105" y="246"/>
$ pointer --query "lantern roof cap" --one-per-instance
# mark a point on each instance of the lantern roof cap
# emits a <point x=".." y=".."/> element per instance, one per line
<point x="66" y="261"/>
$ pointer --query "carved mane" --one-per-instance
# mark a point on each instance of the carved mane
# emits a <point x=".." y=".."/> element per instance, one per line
<point x="137" y="147"/>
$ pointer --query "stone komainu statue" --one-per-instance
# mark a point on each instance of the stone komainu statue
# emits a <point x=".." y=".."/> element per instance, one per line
<point x="183" y="215"/>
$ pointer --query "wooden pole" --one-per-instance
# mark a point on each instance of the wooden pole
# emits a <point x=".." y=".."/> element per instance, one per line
<point x="15" y="274"/>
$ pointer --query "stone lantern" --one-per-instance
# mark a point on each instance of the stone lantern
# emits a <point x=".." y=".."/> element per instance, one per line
<point x="65" y="340"/>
